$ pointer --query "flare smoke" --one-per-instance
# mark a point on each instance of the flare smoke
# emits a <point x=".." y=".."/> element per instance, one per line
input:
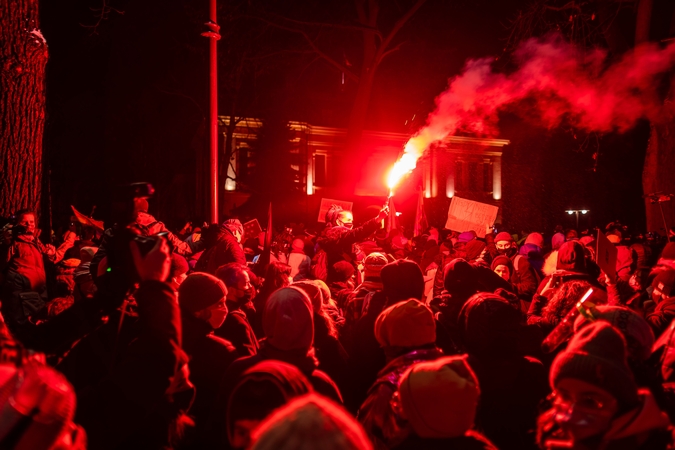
<point x="590" y="92"/>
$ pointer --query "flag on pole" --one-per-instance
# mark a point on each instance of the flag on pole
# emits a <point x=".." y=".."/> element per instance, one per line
<point x="421" y="223"/>
<point x="265" y="257"/>
<point x="392" y="222"/>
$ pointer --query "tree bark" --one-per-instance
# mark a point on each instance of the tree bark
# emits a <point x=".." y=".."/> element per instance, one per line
<point x="657" y="175"/>
<point x="23" y="55"/>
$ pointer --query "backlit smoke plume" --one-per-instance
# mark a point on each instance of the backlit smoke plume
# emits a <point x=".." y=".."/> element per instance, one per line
<point x="590" y="93"/>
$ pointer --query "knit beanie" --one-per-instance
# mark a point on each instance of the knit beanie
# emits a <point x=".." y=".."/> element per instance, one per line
<point x="408" y="324"/>
<point x="536" y="239"/>
<point x="466" y="236"/>
<point x="668" y="251"/>
<point x="234" y="225"/>
<point x="439" y="398"/>
<point x="664" y="282"/>
<point x="635" y="330"/>
<point x="473" y="249"/>
<point x="503" y="236"/>
<point x="199" y="291"/>
<point x="343" y="270"/>
<point x="557" y="240"/>
<point x="288" y="320"/>
<point x="596" y="354"/>
<point x="313" y="292"/>
<point x="502" y="260"/>
<point x="263" y="388"/>
<point x="401" y="280"/>
<point x="490" y="325"/>
<point x="179" y="265"/>
<point x="459" y="276"/>
<point x="38" y="404"/>
<point x="310" y="422"/>
<point x="373" y="264"/>
<point x="571" y="257"/>
<point x="298" y="245"/>
<point x="325" y="290"/>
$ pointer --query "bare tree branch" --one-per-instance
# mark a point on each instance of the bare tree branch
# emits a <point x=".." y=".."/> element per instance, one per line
<point x="328" y="25"/>
<point x="102" y="14"/>
<point x="397" y="27"/>
<point x="351" y="75"/>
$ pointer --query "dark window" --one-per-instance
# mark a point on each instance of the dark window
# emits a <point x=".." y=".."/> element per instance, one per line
<point x="459" y="176"/>
<point x="474" y="177"/>
<point x="487" y="177"/>
<point x="319" y="170"/>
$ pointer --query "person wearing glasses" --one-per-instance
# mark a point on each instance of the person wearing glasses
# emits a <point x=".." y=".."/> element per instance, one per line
<point x="596" y="403"/>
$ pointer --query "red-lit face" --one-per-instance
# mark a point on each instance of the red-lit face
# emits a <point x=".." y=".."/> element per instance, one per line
<point x="28" y="221"/>
<point x="503" y="271"/>
<point x="583" y="410"/>
<point x="345" y="219"/>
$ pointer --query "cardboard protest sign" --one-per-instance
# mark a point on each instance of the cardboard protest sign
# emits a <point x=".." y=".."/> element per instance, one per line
<point x="252" y="229"/>
<point x="326" y="204"/>
<point x="466" y="215"/>
<point x="605" y="255"/>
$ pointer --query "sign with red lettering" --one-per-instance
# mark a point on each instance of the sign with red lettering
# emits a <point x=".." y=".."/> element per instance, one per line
<point x="467" y="215"/>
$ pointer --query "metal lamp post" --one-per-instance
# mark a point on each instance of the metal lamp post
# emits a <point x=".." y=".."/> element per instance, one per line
<point x="576" y="213"/>
<point x="212" y="33"/>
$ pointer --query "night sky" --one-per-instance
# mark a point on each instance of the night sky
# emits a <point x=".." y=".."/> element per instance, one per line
<point x="127" y="100"/>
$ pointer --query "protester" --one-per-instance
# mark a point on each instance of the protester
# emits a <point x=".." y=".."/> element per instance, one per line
<point x="596" y="403"/>
<point x="262" y="389"/>
<point x="23" y="291"/>
<point x="407" y="333"/>
<point x="300" y="263"/>
<point x="438" y="399"/>
<point x="523" y="276"/>
<point x="337" y="239"/>
<point x="278" y="275"/>
<point x="512" y="384"/>
<point x="222" y="246"/>
<point x="240" y="361"/>
<point x="201" y="298"/>
<point x="310" y="422"/>
<point x="236" y="327"/>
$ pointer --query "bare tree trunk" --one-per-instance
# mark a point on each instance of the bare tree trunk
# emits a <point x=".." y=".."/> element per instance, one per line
<point x="23" y="55"/>
<point x="657" y="175"/>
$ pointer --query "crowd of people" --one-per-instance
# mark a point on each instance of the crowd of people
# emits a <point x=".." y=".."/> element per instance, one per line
<point x="347" y="338"/>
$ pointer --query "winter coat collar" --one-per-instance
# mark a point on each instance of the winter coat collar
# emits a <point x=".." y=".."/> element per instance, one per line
<point x="646" y="418"/>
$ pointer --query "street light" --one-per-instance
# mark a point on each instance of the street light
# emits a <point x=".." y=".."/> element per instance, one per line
<point x="576" y="212"/>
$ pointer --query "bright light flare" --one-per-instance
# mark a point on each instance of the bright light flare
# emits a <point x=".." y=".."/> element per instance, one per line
<point x="411" y="153"/>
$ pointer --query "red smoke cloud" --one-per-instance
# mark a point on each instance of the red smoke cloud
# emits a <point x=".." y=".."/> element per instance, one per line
<point x="592" y="93"/>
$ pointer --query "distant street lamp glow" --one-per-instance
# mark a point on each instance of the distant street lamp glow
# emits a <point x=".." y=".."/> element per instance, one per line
<point x="576" y="212"/>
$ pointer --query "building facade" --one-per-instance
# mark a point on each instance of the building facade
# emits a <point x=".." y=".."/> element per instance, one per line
<point x="464" y="166"/>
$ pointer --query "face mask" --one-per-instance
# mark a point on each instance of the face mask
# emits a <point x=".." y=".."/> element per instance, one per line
<point x="217" y="317"/>
<point x="510" y="252"/>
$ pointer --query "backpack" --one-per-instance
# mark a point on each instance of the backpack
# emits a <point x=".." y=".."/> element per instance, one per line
<point x="319" y="269"/>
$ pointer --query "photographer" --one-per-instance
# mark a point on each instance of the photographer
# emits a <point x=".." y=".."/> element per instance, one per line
<point x="24" y="283"/>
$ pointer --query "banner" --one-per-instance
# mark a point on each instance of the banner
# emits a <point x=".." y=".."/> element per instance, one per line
<point x="605" y="255"/>
<point x="326" y="204"/>
<point x="467" y="215"/>
<point x="84" y="220"/>
<point x="252" y="229"/>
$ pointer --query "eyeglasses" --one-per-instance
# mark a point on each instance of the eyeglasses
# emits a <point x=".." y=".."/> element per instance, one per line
<point x="587" y="403"/>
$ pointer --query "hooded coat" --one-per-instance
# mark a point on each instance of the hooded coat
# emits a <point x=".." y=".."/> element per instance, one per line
<point x="222" y="248"/>
<point x="512" y="385"/>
